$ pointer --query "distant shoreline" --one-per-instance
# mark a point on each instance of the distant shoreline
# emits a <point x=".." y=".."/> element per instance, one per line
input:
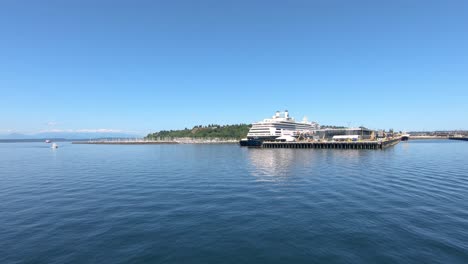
<point x="427" y="137"/>
<point x="161" y="142"/>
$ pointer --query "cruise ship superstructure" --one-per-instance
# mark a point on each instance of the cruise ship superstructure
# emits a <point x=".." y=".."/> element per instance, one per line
<point x="280" y="125"/>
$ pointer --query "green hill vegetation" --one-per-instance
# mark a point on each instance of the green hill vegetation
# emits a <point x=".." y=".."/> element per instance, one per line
<point x="211" y="131"/>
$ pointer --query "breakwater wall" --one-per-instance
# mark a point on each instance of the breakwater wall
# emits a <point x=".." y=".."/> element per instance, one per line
<point x="124" y="142"/>
<point x="206" y="141"/>
<point x="159" y="142"/>
<point x="333" y="145"/>
<point x="459" y="138"/>
<point x="428" y="137"/>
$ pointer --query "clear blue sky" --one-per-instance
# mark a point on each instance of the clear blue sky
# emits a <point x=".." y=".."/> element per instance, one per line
<point x="149" y="65"/>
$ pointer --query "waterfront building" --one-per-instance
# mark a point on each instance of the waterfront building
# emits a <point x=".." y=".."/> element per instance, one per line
<point x="329" y="133"/>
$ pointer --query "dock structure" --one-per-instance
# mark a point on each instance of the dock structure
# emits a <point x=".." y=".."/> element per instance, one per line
<point x="332" y="145"/>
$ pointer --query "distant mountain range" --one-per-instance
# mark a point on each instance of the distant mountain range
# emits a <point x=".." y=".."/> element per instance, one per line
<point x="69" y="135"/>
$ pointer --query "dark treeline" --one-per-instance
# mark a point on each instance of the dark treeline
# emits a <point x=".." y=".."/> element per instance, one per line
<point x="210" y="131"/>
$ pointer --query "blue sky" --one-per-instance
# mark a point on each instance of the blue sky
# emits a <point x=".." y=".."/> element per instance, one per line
<point x="142" y="66"/>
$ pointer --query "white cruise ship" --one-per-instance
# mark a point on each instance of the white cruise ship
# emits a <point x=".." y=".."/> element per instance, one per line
<point x="281" y="124"/>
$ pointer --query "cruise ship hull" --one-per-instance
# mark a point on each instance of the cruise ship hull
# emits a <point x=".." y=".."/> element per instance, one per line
<point x="251" y="143"/>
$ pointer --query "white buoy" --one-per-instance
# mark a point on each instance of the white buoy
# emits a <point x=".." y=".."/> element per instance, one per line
<point x="54" y="146"/>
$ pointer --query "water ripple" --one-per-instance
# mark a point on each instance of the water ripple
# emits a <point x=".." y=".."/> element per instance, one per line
<point x="226" y="204"/>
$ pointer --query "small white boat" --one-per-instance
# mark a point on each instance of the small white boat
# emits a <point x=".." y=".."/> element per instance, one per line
<point x="54" y="146"/>
<point x="405" y="137"/>
<point x="48" y="141"/>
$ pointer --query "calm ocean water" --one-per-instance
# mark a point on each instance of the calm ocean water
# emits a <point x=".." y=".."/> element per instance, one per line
<point x="226" y="204"/>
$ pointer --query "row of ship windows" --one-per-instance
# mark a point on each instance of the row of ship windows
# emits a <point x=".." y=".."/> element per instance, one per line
<point x="276" y="123"/>
<point x="282" y="124"/>
<point x="265" y="133"/>
<point x="278" y="129"/>
<point x="288" y="127"/>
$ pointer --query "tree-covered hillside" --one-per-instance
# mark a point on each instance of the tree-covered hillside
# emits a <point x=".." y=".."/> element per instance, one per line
<point x="211" y="131"/>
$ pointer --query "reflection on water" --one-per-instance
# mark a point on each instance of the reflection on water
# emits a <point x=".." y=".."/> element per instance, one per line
<point x="280" y="164"/>
<point x="271" y="164"/>
<point x="405" y="146"/>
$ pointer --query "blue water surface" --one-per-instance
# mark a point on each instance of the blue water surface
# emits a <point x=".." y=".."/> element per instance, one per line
<point x="227" y="204"/>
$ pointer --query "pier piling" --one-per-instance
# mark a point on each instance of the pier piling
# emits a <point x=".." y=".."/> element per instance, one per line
<point x="332" y="145"/>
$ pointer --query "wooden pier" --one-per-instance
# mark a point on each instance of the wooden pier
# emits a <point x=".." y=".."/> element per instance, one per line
<point x="332" y="145"/>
